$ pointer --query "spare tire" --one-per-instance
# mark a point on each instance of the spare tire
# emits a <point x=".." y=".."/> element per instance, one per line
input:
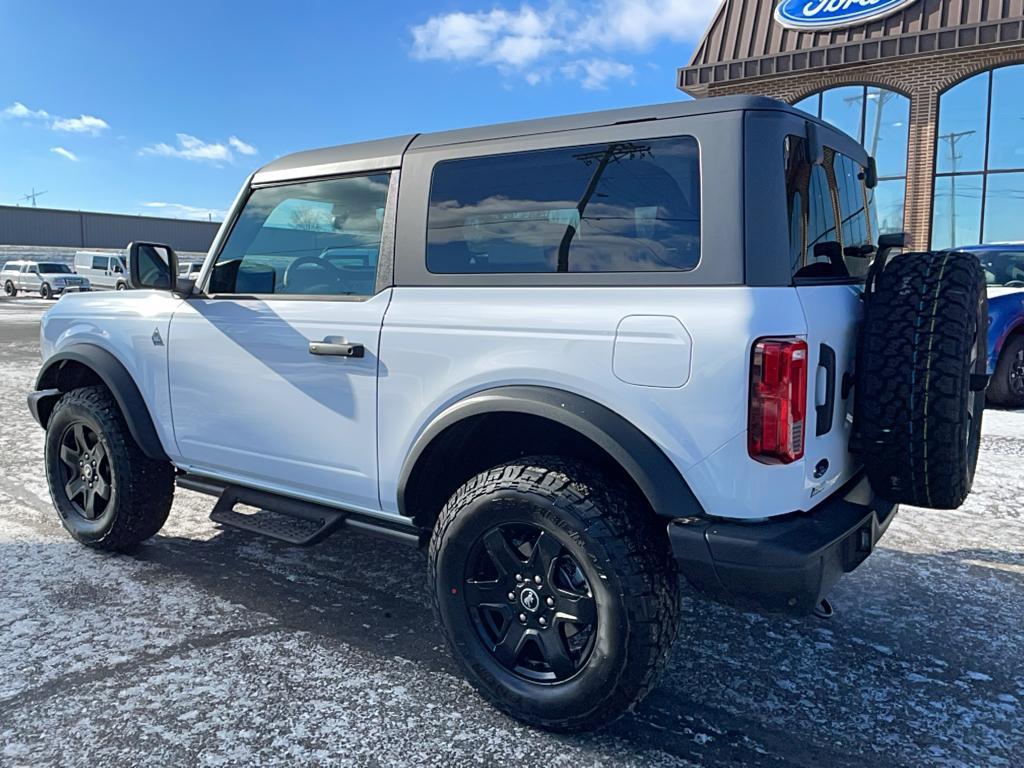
<point x="921" y="378"/>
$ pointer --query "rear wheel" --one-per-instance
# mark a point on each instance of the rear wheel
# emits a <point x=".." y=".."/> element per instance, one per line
<point x="556" y="591"/>
<point x="9" y="288"/>
<point x="1007" y="385"/>
<point x="109" y="494"/>
<point x="920" y="378"/>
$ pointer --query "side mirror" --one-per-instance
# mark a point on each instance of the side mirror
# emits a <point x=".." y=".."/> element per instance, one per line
<point x="152" y="265"/>
<point x="871" y="174"/>
<point x="117" y="269"/>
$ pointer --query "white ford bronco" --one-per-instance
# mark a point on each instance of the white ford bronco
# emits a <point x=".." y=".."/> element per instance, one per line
<point x="573" y="358"/>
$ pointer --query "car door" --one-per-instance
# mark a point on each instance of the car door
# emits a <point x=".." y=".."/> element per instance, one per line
<point x="273" y="369"/>
<point x="30" y="278"/>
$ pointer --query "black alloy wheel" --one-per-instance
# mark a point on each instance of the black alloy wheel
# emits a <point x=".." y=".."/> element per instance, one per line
<point x="1017" y="373"/>
<point x="87" y="475"/>
<point x="530" y="603"/>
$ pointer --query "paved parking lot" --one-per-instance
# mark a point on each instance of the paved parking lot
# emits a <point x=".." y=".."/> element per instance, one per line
<point x="214" y="647"/>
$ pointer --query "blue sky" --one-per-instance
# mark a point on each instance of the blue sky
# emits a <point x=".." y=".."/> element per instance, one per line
<point x="165" y="108"/>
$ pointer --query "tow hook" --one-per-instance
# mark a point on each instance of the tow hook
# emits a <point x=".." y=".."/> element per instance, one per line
<point x="824" y="609"/>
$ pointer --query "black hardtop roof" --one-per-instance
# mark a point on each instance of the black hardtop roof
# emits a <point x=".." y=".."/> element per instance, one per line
<point x="387" y="153"/>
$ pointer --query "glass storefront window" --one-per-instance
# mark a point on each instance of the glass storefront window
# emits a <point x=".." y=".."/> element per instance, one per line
<point x="961" y="144"/>
<point x="979" y="182"/>
<point x="880" y="120"/>
<point x="886" y="120"/>
<point x="956" y="217"/>
<point x="844" y="108"/>
<point x="1004" y="206"/>
<point x="1006" y="144"/>
<point x="889" y="197"/>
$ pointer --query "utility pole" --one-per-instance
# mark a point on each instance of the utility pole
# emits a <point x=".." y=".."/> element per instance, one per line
<point x="33" y="196"/>
<point x="953" y="137"/>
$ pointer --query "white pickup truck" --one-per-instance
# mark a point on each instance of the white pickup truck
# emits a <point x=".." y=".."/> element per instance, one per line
<point x="42" y="278"/>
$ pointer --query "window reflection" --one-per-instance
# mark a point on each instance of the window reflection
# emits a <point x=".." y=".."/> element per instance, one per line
<point x="880" y="120"/>
<point x="1006" y="144"/>
<point x="956" y="218"/>
<point x="979" y="183"/>
<point x="1004" y="206"/>
<point x="889" y="197"/>
<point x="886" y="121"/>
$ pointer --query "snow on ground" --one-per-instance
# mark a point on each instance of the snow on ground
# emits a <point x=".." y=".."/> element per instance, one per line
<point x="213" y="647"/>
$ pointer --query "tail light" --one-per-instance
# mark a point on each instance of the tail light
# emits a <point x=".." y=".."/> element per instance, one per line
<point x="778" y="398"/>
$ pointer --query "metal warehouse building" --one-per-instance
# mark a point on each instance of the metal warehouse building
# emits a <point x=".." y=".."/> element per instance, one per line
<point x="52" y="228"/>
<point x="933" y="88"/>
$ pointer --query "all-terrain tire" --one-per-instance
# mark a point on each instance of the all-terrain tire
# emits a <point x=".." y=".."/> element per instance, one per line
<point x="1007" y="385"/>
<point x="922" y="348"/>
<point x="623" y="552"/>
<point x="142" y="489"/>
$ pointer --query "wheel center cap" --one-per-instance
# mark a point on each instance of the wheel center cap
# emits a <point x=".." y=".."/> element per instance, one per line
<point x="529" y="599"/>
<point x="87" y="472"/>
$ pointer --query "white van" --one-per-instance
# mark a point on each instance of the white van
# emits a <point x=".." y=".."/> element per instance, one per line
<point x="104" y="270"/>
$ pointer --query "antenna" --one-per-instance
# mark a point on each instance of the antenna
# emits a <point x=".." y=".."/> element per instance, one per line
<point x="33" y="196"/>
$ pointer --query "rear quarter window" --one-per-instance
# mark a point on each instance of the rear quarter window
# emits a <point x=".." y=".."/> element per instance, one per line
<point x="631" y="206"/>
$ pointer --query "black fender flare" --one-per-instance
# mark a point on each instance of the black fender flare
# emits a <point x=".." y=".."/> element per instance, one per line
<point x="115" y="376"/>
<point x="654" y="474"/>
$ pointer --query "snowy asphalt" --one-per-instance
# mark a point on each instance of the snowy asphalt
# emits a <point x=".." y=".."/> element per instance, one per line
<point x="214" y="647"/>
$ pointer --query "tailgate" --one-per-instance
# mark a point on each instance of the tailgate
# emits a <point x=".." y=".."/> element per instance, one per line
<point x="833" y="313"/>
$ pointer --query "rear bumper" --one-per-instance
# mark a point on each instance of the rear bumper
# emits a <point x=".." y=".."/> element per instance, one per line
<point x="784" y="565"/>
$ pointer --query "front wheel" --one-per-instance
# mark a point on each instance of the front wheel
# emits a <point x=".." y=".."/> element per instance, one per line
<point x="9" y="289"/>
<point x="1007" y="385"/>
<point x="121" y="286"/>
<point x="108" y="493"/>
<point x="45" y="291"/>
<point x="556" y="592"/>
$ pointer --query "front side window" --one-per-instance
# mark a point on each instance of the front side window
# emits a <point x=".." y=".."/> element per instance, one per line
<point x="316" y="238"/>
<point x="630" y="206"/>
<point x="1003" y="267"/>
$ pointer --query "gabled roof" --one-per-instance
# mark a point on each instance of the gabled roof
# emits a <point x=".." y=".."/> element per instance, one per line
<point x="744" y="41"/>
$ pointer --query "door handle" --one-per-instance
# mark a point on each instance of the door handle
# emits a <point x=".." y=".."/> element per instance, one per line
<point x="824" y="412"/>
<point x="337" y="347"/>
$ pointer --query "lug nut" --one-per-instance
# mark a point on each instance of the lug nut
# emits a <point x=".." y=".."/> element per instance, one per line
<point x="519" y="577"/>
<point x="537" y="579"/>
<point x="522" y="618"/>
<point x="551" y="602"/>
<point x="512" y="596"/>
<point x="543" y="621"/>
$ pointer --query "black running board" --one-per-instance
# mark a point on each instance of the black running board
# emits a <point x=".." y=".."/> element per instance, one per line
<point x="294" y="521"/>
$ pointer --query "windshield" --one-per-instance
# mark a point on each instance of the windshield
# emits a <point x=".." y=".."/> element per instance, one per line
<point x="62" y="269"/>
<point x="1003" y="267"/>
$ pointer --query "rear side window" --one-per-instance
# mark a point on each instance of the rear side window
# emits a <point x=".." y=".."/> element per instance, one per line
<point x="100" y="262"/>
<point x="831" y="215"/>
<point x="621" y="207"/>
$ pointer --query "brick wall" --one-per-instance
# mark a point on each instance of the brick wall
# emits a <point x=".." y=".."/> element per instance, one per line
<point x="922" y="78"/>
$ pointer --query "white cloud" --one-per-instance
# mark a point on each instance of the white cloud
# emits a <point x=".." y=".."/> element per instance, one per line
<point x="531" y="40"/>
<point x="65" y="153"/>
<point x="81" y="124"/>
<point x="20" y="111"/>
<point x="241" y="147"/>
<point x="191" y="148"/>
<point x="594" y="74"/>
<point x="181" y="211"/>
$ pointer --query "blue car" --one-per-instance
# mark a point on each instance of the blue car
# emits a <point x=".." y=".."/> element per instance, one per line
<point x="1004" y="274"/>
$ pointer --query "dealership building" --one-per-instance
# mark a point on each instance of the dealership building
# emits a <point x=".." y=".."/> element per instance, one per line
<point x="933" y="88"/>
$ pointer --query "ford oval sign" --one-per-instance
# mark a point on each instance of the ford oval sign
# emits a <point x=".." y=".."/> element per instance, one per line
<point x="832" y="14"/>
